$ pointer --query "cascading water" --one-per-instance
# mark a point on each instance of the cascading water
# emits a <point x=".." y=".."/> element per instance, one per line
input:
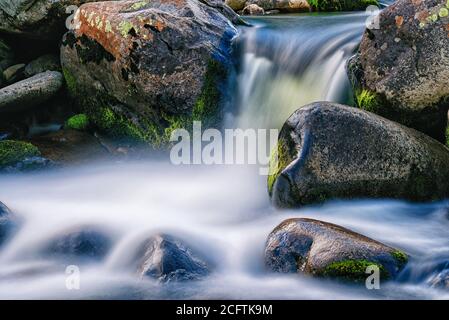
<point x="223" y="211"/>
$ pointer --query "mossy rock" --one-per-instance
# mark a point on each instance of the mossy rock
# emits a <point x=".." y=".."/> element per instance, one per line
<point x="78" y="122"/>
<point x="326" y="250"/>
<point x="12" y="152"/>
<point x="140" y="76"/>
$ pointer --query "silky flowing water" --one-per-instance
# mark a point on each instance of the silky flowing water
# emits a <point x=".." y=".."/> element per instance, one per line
<point x="223" y="211"/>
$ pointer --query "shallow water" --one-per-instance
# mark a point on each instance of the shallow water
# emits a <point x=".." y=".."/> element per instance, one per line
<point x="222" y="211"/>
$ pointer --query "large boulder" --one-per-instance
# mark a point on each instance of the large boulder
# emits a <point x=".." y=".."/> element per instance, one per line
<point x="402" y="68"/>
<point x="38" y="19"/>
<point x="323" y="249"/>
<point x="143" y="68"/>
<point x="327" y="150"/>
<point x="168" y="258"/>
<point x="30" y="92"/>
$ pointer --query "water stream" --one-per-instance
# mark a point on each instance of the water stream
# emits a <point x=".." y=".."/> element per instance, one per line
<point x="222" y="211"/>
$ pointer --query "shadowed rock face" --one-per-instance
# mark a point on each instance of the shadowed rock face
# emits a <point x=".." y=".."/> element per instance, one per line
<point x="7" y="223"/>
<point x="167" y="258"/>
<point x="402" y="69"/>
<point x="324" y="249"/>
<point x="327" y="150"/>
<point x="151" y="66"/>
<point x="83" y="242"/>
<point x="38" y="19"/>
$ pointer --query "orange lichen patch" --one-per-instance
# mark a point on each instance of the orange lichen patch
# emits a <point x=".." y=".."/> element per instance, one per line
<point x="399" y="21"/>
<point x="113" y="28"/>
<point x="422" y="15"/>
<point x="416" y="2"/>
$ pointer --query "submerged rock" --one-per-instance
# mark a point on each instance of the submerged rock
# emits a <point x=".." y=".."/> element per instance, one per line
<point x="82" y="242"/>
<point x="48" y="62"/>
<point x="30" y="92"/>
<point x="167" y="258"/>
<point x="323" y="249"/>
<point x="326" y="150"/>
<point x="144" y="68"/>
<point x="43" y="19"/>
<point x="402" y="68"/>
<point x="7" y="223"/>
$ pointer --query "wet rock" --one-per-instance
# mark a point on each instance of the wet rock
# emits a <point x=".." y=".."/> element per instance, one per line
<point x="327" y="150"/>
<point x="43" y="19"/>
<point x="83" y="242"/>
<point x="48" y="62"/>
<point x="141" y="68"/>
<point x="14" y="73"/>
<point x="440" y="280"/>
<point x="167" y="258"/>
<point x="70" y="147"/>
<point x="402" y="68"/>
<point x="253" y="10"/>
<point x="30" y="92"/>
<point x="323" y="249"/>
<point x="19" y="156"/>
<point x="7" y="223"/>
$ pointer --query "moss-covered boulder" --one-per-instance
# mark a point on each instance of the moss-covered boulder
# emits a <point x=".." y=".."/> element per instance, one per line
<point x="42" y="19"/>
<point x="143" y="68"/>
<point x="17" y="156"/>
<point x="402" y="68"/>
<point x="326" y="250"/>
<point x="326" y="150"/>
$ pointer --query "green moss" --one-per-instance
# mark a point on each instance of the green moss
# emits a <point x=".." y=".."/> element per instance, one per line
<point x="157" y="129"/>
<point x="341" y="5"/>
<point x="400" y="257"/>
<point x="78" y="122"/>
<point x="70" y="81"/>
<point x="116" y="125"/>
<point x="352" y="270"/>
<point x="12" y="152"/>
<point x="206" y="108"/>
<point x="278" y="161"/>
<point x="367" y="100"/>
